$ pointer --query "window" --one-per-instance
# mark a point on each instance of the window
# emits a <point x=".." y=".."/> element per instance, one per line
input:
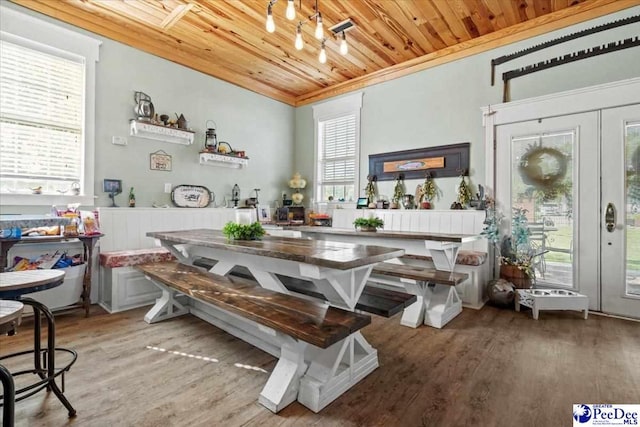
<point x="47" y="79"/>
<point x="41" y="126"/>
<point x="337" y="149"/>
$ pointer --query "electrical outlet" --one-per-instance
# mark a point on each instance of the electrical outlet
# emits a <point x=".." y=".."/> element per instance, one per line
<point x="119" y="140"/>
<point x="167" y="188"/>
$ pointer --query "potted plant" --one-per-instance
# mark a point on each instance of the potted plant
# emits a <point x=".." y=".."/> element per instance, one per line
<point x="515" y="251"/>
<point x="427" y="192"/>
<point x="368" y="224"/>
<point x="398" y="193"/>
<point x="235" y="231"/>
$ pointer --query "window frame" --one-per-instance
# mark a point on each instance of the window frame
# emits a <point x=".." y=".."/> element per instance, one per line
<point x="33" y="33"/>
<point x="344" y="106"/>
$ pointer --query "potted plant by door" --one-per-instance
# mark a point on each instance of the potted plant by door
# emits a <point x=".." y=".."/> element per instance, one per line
<point x="514" y="250"/>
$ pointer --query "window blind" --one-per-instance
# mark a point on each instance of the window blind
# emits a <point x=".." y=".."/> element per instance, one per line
<point x="338" y="148"/>
<point x="41" y="119"/>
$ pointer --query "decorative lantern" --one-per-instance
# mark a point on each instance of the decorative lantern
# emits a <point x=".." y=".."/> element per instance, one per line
<point x="211" y="140"/>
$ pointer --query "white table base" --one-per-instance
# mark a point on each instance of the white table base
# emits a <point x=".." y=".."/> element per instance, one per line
<point x="313" y="376"/>
<point x="436" y="305"/>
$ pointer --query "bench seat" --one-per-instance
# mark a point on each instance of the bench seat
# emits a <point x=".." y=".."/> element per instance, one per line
<point x="122" y="287"/>
<point x="320" y="348"/>
<point x="306" y="320"/>
<point x="437" y="301"/>
<point x="374" y="300"/>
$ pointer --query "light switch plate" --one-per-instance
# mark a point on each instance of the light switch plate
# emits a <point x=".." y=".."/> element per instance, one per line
<point x="119" y="140"/>
<point x="167" y="188"/>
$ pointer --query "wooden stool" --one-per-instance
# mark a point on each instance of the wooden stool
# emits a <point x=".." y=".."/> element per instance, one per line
<point x="14" y="285"/>
<point x="10" y="314"/>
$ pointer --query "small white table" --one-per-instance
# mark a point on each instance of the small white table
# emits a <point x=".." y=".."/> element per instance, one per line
<point x="551" y="299"/>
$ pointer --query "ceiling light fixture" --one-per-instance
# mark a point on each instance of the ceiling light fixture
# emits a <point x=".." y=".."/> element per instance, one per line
<point x="299" y="44"/>
<point x="323" y="53"/>
<point x="291" y="10"/>
<point x="270" y="25"/>
<point x="338" y="31"/>
<point x="344" y="47"/>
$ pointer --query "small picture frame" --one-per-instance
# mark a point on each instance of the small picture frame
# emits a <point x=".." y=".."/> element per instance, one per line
<point x="112" y="186"/>
<point x="160" y="161"/>
<point x="264" y="214"/>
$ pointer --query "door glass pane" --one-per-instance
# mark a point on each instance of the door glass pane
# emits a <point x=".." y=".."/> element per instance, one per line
<point x="542" y="183"/>
<point x="632" y="155"/>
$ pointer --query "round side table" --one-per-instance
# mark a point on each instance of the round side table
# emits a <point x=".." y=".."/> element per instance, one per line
<point x="13" y="286"/>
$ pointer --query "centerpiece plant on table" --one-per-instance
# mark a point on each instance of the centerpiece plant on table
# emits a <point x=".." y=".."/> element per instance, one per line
<point x="516" y="253"/>
<point x="235" y="231"/>
<point x="368" y="224"/>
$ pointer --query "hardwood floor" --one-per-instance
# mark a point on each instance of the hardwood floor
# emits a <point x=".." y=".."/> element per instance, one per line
<point x="485" y="368"/>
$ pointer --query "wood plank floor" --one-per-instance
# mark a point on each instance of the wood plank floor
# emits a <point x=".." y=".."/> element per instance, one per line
<point x="490" y="367"/>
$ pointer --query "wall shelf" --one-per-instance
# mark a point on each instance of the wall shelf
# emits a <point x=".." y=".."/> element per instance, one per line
<point x="215" y="159"/>
<point x="161" y="133"/>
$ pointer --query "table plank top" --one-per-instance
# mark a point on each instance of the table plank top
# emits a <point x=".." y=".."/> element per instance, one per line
<point x="17" y="280"/>
<point x="410" y="235"/>
<point x="337" y="255"/>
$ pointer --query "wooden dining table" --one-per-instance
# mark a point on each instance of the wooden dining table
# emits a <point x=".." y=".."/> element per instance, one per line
<point x="338" y="270"/>
<point x="442" y="247"/>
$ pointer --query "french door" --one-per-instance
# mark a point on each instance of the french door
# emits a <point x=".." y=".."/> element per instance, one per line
<point x="578" y="177"/>
<point x="620" y="231"/>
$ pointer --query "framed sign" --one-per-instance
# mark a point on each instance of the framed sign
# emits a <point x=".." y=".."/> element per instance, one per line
<point x="160" y="161"/>
<point x="441" y="161"/>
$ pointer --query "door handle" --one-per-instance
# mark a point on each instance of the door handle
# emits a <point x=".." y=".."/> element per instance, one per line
<point x="610" y="217"/>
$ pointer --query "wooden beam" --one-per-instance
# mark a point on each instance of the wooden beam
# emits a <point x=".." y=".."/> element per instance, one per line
<point x="563" y="18"/>
<point x="175" y="15"/>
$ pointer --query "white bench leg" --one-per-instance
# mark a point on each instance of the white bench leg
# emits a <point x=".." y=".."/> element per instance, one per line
<point x="334" y="370"/>
<point x="442" y="304"/>
<point x="413" y="316"/>
<point x="166" y="306"/>
<point x="282" y="387"/>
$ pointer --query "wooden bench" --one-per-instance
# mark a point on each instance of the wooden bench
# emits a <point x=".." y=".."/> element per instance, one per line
<point x="374" y="300"/>
<point x="281" y="324"/>
<point x="437" y="300"/>
<point x="122" y="287"/>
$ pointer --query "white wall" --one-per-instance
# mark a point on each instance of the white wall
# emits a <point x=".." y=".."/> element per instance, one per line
<point x="441" y="105"/>
<point x="256" y="124"/>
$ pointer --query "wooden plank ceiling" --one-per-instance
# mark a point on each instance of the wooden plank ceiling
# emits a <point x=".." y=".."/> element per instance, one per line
<point x="227" y="38"/>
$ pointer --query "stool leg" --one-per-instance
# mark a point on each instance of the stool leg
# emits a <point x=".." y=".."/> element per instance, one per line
<point x="8" y="401"/>
<point x="51" y="352"/>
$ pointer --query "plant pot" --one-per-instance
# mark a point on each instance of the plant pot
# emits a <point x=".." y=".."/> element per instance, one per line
<point x="425" y="205"/>
<point x="394" y="205"/>
<point x="369" y="229"/>
<point x="518" y="277"/>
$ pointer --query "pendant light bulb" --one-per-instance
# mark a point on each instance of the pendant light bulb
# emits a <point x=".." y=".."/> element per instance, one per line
<point x="344" y="47"/>
<point x="291" y="10"/>
<point x="319" y="30"/>
<point x="323" y="54"/>
<point x="299" y="44"/>
<point x="271" y="25"/>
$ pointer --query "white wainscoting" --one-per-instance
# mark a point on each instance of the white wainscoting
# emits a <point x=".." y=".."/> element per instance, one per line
<point x="125" y="288"/>
<point x="126" y="228"/>
<point x="438" y="221"/>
